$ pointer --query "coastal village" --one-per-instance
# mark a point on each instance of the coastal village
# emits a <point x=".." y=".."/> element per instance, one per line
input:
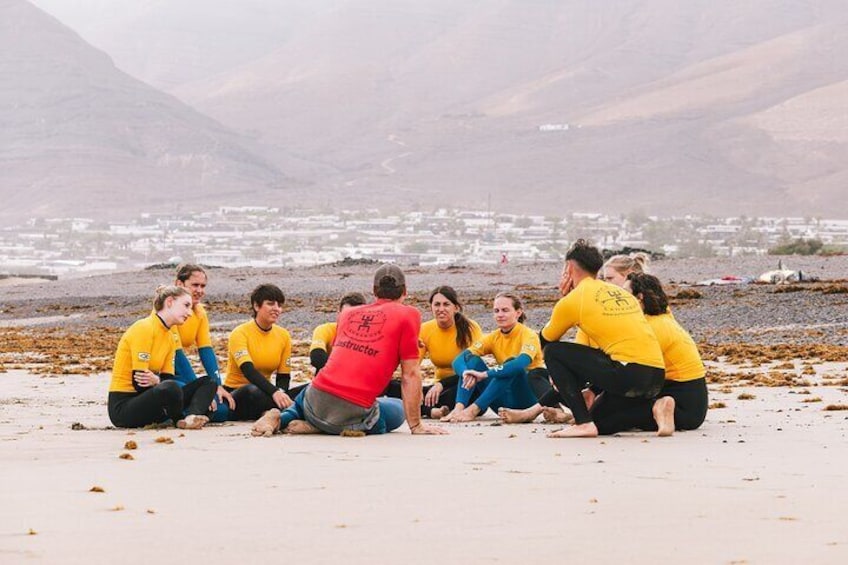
<point x="270" y="237"/>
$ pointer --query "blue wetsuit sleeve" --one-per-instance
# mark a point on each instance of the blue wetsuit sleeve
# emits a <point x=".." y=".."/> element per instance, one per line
<point x="210" y="363"/>
<point x="512" y="368"/>
<point x="182" y="368"/>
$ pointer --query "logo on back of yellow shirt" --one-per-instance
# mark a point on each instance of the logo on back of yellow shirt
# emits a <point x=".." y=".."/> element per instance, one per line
<point x="616" y="301"/>
<point x="142" y="356"/>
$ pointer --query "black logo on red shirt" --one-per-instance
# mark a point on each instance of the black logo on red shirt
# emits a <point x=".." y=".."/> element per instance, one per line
<point x="365" y="325"/>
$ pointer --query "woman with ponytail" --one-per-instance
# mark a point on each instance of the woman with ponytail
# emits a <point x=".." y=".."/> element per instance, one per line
<point x="682" y="402"/>
<point x="442" y="339"/>
<point x="143" y="390"/>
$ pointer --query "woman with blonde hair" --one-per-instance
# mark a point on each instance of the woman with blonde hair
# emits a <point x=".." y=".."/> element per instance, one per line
<point x="616" y="268"/>
<point x="143" y="390"/>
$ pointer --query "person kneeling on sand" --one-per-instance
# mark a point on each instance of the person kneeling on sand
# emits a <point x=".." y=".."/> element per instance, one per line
<point x="682" y="402"/>
<point x="371" y="339"/>
<point x="628" y="361"/>
<point x="143" y="390"/>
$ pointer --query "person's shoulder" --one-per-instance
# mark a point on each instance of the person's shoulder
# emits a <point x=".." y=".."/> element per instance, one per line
<point x="243" y="327"/>
<point x="407" y="310"/>
<point x="428" y="326"/>
<point x="526" y="330"/>
<point x="142" y="325"/>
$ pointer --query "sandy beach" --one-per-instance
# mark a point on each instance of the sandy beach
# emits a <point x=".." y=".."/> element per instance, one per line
<point x="761" y="482"/>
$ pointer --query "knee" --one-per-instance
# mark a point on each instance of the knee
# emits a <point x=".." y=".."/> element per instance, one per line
<point x="475" y="363"/>
<point x="170" y="389"/>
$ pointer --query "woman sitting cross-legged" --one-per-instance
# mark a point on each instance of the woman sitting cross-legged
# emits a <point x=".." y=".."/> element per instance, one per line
<point x="143" y="390"/>
<point x="260" y="350"/>
<point x="515" y="348"/>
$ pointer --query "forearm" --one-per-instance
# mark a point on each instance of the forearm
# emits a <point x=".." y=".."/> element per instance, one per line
<point x="510" y="369"/>
<point x="256" y="378"/>
<point x="411" y="396"/>
<point x="210" y="363"/>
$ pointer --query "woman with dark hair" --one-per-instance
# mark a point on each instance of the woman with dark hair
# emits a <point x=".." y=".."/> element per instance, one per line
<point x="442" y="339"/>
<point x="259" y="350"/>
<point x="143" y="390"/>
<point x="195" y="333"/>
<point x="682" y="402"/>
<point x="515" y="348"/>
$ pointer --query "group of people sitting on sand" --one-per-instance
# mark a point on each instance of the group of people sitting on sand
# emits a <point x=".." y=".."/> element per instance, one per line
<point x="630" y="365"/>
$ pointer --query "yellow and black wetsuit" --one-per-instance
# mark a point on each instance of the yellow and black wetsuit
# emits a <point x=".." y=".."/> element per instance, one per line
<point x="254" y="356"/>
<point x="628" y="361"/>
<point x="149" y="345"/>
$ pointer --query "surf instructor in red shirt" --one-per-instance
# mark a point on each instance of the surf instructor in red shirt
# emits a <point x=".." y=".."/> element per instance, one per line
<point x="371" y="340"/>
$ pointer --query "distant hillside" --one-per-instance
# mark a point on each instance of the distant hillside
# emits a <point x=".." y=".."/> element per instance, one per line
<point x="79" y="136"/>
<point x="671" y="107"/>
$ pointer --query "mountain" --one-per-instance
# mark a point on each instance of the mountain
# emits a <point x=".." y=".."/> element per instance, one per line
<point x="79" y="136"/>
<point x="544" y="106"/>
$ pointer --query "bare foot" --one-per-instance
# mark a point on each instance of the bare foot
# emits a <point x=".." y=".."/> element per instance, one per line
<point x="301" y="427"/>
<point x="439" y="413"/>
<point x="588" y="429"/>
<point x="664" y="416"/>
<point x="556" y="416"/>
<point x="449" y="417"/>
<point x="267" y="424"/>
<point x="464" y="415"/>
<point x="589" y="397"/>
<point x="192" y="422"/>
<point x="515" y="416"/>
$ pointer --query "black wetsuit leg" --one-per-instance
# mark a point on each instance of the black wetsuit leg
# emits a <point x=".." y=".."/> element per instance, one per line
<point x="614" y="414"/>
<point x="157" y="404"/>
<point x="198" y="395"/>
<point x="540" y="382"/>
<point x="251" y="403"/>
<point x="572" y="365"/>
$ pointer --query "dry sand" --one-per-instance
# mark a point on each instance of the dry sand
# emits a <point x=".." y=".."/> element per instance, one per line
<point x="763" y="481"/>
